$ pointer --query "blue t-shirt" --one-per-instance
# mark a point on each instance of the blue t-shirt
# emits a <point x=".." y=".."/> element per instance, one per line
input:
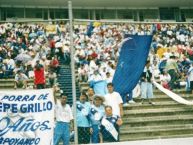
<point x="82" y="114"/>
<point x="96" y="114"/>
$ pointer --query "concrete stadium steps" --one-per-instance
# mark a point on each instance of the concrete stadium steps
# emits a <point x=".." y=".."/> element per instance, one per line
<point x="165" y="119"/>
<point x="135" y="138"/>
<point x="160" y="112"/>
<point x="9" y="83"/>
<point x="138" y="105"/>
<point x="175" y="130"/>
<point x="163" y="98"/>
<point x="179" y="91"/>
<point x="158" y="120"/>
<point x="155" y="128"/>
<point x="65" y="82"/>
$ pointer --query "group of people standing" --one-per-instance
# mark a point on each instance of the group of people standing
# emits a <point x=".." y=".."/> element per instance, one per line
<point x="98" y="117"/>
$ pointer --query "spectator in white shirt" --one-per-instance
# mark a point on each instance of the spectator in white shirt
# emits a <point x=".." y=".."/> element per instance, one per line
<point x="82" y="73"/>
<point x="114" y="100"/>
<point x="167" y="54"/>
<point x="95" y="77"/>
<point x="20" y="80"/>
<point x="63" y="117"/>
<point x="109" y="78"/>
<point x="52" y="78"/>
<point x="165" y="79"/>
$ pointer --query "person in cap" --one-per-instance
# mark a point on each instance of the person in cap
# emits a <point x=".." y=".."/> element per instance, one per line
<point x="64" y="116"/>
<point x="96" y="113"/>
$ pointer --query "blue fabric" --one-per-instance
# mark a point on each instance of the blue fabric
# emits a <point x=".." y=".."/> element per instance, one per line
<point x="90" y="29"/>
<point x="100" y="110"/>
<point x="100" y="87"/>
<point x="132" y="59"/>
<point x="95" y="134"/>
<point x="162" y="65"/>
<point x="62" y="131"/>
<point x="82" y="119"/>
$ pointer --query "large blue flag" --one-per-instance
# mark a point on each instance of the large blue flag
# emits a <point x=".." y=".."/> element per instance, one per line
<point x="132" y="59"/>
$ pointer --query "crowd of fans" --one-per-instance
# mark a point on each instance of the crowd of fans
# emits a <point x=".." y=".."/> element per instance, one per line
<point x="28" y="52"/>
<point x="170" y="57"/>
<point x="33" y="51"/>
<point x="98" y="53"/>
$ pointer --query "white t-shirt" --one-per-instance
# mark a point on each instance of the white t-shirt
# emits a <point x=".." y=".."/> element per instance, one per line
<point x="11" y="63"/>
<point x="96" y="77"/>
<point x="165" y="78"/>
<point x="114" y="100"/>
<point x="63" y="113"/>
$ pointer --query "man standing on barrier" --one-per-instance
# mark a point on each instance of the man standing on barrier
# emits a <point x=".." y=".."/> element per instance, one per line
<point x="96" y="113"/>
<point x="110" y="124"/>
<point x="63" y="117"/>
<point x="83" y="119"/>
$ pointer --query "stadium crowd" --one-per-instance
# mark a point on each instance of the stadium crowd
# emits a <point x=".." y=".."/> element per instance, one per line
<point x="96" y="48"/>
<point x="26" y="53"/>
<point x="170" y="57"/>
<point x="32" y="51"/>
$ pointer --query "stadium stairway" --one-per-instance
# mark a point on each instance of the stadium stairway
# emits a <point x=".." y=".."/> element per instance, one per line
<point x="165" y="119"/>
<point x="65" y="82"/>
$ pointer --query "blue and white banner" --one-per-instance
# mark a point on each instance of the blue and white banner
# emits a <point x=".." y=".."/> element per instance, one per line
<point x="26" y="117"/>
<point x="132" y="59"/>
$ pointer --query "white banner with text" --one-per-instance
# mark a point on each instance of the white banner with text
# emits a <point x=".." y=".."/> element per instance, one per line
<point x="26" y="117"/>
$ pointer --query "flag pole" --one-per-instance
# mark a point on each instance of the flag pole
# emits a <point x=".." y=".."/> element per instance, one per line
<point x="73" y="70"/>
